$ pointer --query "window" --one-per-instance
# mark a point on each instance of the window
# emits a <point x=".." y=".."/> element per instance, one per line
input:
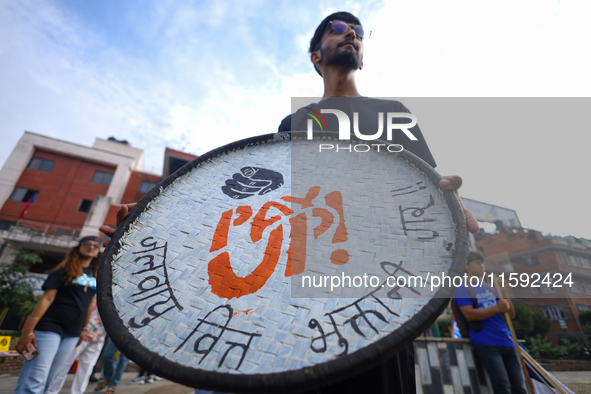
<point x="175" y="164"/>
<point x="103" y="178"/>
<point x="5" y="224"/>
<point x="146" y="186"/>
<point x="587" y="287"/>
<point x="554" y="312"/>
<point x="23" y="195"/>
<point x="584" y="262"/>
<point x="544" y="289"/>
<point x="575" y="288"/>
<point x="85" y="206"/>
<point x="40" y="164"/>
<point x="532" y="260"/>
<point x="583" y="307"/>
<point x="570" y="260"/>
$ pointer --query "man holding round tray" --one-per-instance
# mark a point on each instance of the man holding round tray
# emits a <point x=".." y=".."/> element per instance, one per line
<point x="336" y="53"/>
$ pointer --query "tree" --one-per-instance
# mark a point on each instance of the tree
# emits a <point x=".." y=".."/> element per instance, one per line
<point x="542" y="325"/>
<point x="14" y="288"/>
<point x="444" y="323"/>
<point x="524" y="320"/>
<point x="585" y="317"/>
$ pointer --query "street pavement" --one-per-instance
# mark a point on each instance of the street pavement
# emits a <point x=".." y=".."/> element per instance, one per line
<point x="578" y="381"/>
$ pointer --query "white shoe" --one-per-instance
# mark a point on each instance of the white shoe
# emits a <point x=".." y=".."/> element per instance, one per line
<point x="136" y="381"/>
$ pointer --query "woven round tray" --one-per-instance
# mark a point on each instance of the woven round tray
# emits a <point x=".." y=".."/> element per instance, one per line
<point x="204" y="282"/>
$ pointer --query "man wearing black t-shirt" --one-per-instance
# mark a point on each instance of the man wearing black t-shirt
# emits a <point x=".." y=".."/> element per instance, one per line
<point x="336" y="51"/>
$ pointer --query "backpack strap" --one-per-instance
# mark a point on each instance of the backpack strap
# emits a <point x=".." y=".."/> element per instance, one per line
<point x="472" y="295"/>
<point x="494" y="291"/>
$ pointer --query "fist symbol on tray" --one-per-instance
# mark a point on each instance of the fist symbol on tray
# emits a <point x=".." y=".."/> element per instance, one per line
<point x="251" y="181"/>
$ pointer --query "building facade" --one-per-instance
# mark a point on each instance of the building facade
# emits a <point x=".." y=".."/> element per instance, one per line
<point x="54" y="192"/>
<point x="563" y="265"/>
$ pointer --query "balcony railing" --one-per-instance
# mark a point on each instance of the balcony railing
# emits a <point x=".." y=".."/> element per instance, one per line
<point x="34" y="228"/>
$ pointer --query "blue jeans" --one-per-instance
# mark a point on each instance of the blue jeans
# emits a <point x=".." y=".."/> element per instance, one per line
<point x="503" y="368"/>
<point x="36" y="374"/>
<point x="113" y="375"/>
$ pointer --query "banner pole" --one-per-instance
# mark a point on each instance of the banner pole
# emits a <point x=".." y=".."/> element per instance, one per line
<point x="515" y="343"/>
<point x="539" y="370"/>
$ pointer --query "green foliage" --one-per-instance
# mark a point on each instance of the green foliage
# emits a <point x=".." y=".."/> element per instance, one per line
<point x="26" y="307"/>
<point x="585" y="317"/>
<point x="569" y="348"/>
<point x="542" y="325"/>
<point x="528" y="323"/>
<point x="444" y="323"/>
<point x="573" y="345"/>
<point x="14" y="289"/>
<point x="587" y="329"/>
<point x="27" y="257"/>
<point x="524" y="320"/>
<point x="541" y="348"/>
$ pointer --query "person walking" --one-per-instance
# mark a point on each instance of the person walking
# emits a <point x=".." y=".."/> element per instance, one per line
<point x="57" y="323"/>
<point x="87" y="353"/>
<point x="112" y="374"/>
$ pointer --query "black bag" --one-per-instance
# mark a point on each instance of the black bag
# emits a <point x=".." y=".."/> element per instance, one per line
<point x="464" y="324"/>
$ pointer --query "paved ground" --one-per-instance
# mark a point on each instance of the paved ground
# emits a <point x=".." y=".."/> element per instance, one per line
<point x="578" y="381"/>
<point x="7" y="385"/>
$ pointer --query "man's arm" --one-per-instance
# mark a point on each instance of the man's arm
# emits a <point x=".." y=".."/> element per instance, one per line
<point x="502" y="306"/>
<point x="121" y="214"/>
<point x="450" y="182"/>
<point x="454" y="182"/>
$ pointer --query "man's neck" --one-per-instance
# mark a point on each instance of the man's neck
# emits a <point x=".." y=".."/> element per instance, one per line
<point x="339" y="82"/>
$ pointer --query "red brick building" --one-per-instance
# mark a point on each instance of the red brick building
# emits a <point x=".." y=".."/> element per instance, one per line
<point x="552" y="258"/>
<point x="52" y="192"/>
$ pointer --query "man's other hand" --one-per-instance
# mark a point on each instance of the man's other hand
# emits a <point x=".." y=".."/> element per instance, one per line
<point x="454" y="182"/>
<point x="121" y="214"/>
<point x="504" y="305"/>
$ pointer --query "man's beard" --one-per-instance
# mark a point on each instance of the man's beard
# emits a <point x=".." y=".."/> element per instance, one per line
<point x="346" y="59"/>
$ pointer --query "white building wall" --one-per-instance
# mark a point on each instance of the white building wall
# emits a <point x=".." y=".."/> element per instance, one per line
<point x="124" y="157"/>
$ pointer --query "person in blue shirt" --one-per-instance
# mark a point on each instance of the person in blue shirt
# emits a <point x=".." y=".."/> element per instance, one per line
<point x="491" y="339"/>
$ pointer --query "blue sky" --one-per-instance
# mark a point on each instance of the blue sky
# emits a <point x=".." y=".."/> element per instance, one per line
<point x="194" y="75"/>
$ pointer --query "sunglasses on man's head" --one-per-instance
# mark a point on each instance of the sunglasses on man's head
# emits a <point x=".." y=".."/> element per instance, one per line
<point x="343" y="27"/>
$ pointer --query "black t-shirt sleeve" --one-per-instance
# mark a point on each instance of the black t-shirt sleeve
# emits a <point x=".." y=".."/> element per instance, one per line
<point x="54" y="281"/>
<point x="418" y="147"/>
